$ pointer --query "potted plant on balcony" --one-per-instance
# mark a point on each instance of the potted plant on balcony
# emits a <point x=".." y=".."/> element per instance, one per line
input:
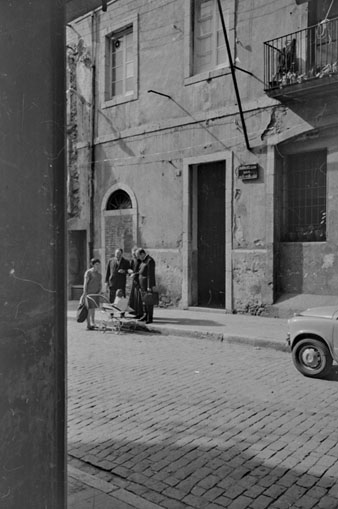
<point x="321" y="230"/>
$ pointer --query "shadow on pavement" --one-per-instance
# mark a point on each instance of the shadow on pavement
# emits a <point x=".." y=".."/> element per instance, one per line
<point x="332" y="376"/>
<point x="189" y="425"/>
<point x="193" y="475"/>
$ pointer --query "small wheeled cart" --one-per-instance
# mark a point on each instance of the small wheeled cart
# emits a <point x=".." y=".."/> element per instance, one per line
<point x="109" y="317"/>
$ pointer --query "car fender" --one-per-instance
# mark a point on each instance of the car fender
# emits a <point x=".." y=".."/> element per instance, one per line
<point x="301" y="326"/>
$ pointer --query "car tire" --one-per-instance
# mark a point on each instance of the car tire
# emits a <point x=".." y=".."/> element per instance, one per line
<point x="312" y="357"/>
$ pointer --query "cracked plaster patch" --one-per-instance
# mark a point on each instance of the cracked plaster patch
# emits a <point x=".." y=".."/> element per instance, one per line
<point x="328" y="261"/>
<point x="276" y="122"/>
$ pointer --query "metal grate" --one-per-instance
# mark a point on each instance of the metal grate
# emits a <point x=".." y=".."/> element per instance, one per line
<point x="119" y="200"/>
<point x="306" y="197"/>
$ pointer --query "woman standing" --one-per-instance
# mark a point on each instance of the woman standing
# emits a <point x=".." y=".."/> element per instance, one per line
<point x="92" y="285"/>
<point x="135" y="300"/>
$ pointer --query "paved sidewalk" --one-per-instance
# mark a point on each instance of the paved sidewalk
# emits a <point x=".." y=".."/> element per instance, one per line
<point x="217" y="325"/>
<point x="86" y="490"/>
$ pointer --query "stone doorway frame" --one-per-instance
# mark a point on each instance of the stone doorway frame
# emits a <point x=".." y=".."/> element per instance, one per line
<point x="108" y="213"/>
<point x="189" y="223"/>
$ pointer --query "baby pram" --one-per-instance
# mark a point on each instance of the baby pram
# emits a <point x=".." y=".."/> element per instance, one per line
<point x="109" y="317"/>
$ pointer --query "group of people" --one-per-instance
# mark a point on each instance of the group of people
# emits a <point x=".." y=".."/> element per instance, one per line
<point x="141" y="269"/>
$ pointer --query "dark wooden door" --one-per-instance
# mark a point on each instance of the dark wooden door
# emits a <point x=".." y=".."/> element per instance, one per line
<point x="211" y="234"/>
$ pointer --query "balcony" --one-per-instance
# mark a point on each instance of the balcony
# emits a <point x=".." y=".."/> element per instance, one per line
<point x="302" y="64"/>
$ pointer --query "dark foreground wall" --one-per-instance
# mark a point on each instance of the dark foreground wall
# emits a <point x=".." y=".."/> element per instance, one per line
<point x="32" y="275"/>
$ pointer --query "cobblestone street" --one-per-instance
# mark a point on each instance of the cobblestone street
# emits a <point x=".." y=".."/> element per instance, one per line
<point x="193" y="423"/>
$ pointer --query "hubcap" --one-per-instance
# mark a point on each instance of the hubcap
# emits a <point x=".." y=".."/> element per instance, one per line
<point x="311" y="357"/>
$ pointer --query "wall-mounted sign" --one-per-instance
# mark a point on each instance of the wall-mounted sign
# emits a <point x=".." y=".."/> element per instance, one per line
<point x="248" y="171"/>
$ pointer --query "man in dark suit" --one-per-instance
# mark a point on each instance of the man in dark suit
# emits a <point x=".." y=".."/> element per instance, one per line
<point x="116" y="274"/>
<point x="147" y="282"/>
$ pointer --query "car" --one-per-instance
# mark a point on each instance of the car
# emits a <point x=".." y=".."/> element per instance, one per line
<point x="313" y="340"/>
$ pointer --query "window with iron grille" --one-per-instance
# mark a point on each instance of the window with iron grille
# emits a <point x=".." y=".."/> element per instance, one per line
<point x="305" y="197"/>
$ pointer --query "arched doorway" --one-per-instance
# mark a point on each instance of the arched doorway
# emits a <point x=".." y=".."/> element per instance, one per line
<point x="119" y="221"/>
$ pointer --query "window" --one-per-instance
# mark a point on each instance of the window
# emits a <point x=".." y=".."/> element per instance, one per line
<point x="305" y="200"/>
<point x="320" y="11"/>
<point x="205" y="53"/>
<point x="323" y="37"/>
<point x="209" y="44"/>
<point x="121" y="63"/>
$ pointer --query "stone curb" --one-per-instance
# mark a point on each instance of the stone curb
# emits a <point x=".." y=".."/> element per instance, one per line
<point x="219" y="336"/>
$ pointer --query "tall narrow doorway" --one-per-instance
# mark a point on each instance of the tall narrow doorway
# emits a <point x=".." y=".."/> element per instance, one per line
<point x="211" y="234"/>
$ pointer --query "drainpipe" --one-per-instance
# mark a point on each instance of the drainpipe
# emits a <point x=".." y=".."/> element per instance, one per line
<point x="92" y="139"/>
<point x="233" y="73"/>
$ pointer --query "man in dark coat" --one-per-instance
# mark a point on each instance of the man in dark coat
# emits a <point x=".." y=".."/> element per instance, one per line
<point x="147" y="282"/>
<point x="116" y="274"/>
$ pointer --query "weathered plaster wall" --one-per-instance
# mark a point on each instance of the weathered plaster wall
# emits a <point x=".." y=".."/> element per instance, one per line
<point x="79" y="94"/>
<point x="168" y="275"/>
<point x="79" y="65"/>
<point x="142" y="143"/>
<point x="250" y="279"/>
<point x="259" y="21"/>
<point x="157" y="186"/>
<point x="311" y="267"/>
<point x="249" y="209"/>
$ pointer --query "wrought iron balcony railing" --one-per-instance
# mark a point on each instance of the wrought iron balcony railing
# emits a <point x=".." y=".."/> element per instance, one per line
<point x="302" y="56"/>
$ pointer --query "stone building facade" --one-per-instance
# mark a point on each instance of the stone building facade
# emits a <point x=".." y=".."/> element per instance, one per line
<point x="157" y="153"/>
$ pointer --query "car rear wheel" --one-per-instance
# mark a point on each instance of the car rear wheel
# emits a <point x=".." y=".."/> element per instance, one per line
<point x="312" y="357"/>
